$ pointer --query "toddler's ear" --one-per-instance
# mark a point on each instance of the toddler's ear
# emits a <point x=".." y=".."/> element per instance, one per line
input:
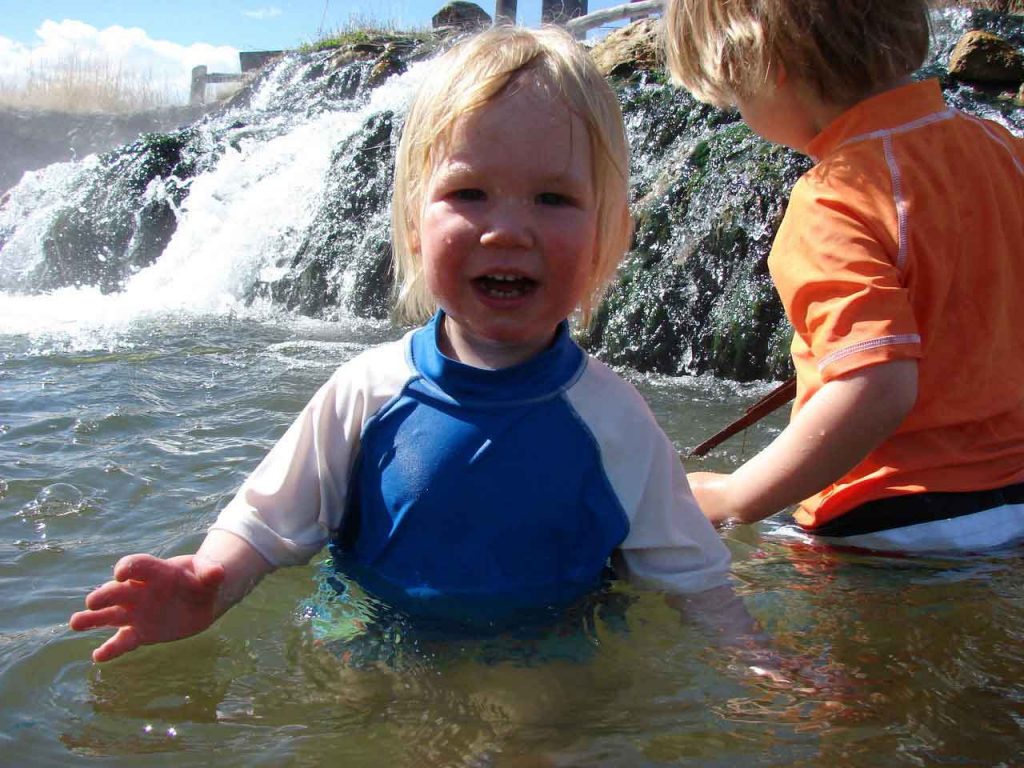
<point x="780" y="74"/>
<point x="414" y="240"/>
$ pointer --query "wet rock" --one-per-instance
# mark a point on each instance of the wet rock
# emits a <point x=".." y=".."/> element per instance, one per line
<point x="387" y="65"/>
<point x="124" y="216"/>
<point x="348" y="243"/>
<point x="461" y="16"/>
<point x="630" y="49"/>
<point x="983" y="57"/>
<point x="694" y="295"/>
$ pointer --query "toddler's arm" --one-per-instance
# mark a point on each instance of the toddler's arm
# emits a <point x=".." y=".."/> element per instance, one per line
<point x="841" y="424"/>
<point x="152" y="600"/>
<point x="286" y="507"/>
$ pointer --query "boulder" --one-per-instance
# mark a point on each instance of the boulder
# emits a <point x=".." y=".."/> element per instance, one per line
<point x="390" y="63"/>
<point x="983" y="57"/>
<point x="629" y="49"/>
<point x="462" y="16"/>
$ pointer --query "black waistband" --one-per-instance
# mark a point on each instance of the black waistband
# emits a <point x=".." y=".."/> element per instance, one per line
<point x="914" y="508"/>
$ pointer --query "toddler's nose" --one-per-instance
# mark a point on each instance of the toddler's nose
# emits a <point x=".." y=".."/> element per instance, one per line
<point x="507" y="227"/>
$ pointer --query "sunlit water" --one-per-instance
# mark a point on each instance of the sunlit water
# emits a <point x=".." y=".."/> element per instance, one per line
<point x="127" y="434"/>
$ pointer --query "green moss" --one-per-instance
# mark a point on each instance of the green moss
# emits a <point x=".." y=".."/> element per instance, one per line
<point x="365" y="36"/>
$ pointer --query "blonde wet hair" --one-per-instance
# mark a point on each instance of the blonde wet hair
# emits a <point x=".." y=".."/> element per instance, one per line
<point x="841" y="50"/>
<point x="469" y="77"/>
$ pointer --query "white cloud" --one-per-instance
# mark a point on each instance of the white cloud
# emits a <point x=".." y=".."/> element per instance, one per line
<point x="166" y="65"/>
<point x="263" y="13"/>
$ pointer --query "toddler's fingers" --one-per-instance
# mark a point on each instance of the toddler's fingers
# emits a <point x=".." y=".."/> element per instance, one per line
<point x="139" y="567"/>
<point x="124" y="640"/>
<point x="114" y="616"/>
<point x="112" y="593"/>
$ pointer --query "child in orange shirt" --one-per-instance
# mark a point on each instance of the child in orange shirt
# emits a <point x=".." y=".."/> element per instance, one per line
<point x="899" y="264"/>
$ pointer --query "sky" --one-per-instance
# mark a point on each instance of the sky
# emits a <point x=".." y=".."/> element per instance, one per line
<point x="163" y="39"/>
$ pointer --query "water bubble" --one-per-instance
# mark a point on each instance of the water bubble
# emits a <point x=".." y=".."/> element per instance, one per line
<point x="60" y="494"/>
<point x="56" y="500"/>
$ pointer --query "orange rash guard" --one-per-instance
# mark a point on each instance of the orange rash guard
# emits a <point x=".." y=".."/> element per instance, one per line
<point x="906" y="241"/>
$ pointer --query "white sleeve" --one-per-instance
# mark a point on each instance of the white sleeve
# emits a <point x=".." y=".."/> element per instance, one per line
<point x="670" y="544"/>
<point x="294" y="500"/>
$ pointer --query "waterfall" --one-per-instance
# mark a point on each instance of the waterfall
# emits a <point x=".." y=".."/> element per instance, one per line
<point x="279" y="203"/>
<point x="259" y="183"/>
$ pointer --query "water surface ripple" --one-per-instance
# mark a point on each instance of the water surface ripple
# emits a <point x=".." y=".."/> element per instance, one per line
<point x="134" y="443"/>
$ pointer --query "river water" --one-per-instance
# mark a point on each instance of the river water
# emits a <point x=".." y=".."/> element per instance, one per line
<point x="124" y="434"/>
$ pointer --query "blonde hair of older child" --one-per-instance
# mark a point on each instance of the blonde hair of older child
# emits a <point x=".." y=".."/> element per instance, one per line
<point x="840" y="51"/>
<point x="469" y="77"/>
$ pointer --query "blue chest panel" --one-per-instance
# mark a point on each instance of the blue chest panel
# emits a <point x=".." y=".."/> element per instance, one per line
<point x="465" y="505"/>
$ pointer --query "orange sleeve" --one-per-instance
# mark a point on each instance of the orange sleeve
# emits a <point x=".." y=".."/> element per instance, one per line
<point x="834" y="264"/>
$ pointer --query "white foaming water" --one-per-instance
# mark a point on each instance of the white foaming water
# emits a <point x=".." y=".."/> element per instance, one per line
<point x="28" y="213"/>
<point x="237" y="220"/>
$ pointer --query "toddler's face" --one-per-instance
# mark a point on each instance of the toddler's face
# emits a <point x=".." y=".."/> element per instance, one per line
<point x="508" y="230"/>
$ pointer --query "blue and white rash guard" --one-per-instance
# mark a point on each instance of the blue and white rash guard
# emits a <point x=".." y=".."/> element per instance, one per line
<point x="448" y="490"/>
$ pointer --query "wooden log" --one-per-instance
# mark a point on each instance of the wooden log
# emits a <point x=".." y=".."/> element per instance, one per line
<point x="580" y="26"/>
<point x="562" y="11"/>
<point x="222" y="77"/>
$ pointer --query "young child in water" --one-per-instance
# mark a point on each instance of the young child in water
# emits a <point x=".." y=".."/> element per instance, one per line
<point x="899" y="265"/>
<point x="483" y="468"/>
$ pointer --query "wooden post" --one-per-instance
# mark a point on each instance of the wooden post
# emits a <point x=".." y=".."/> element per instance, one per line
<point x="197" y="96"/>
<point x="560" y="11"/>
<point x="505" y="12"/>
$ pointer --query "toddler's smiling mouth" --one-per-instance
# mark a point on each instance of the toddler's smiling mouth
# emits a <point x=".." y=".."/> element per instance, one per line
<point x="505" y="286"/>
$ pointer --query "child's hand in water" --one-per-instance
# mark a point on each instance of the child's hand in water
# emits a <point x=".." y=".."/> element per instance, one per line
<point x="711" y="489"/>
<point x="152" y="600"/>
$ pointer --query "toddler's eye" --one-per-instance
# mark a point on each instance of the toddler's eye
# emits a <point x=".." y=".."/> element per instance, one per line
<point x="469" y="195"/>
<point x="552" y="198"/>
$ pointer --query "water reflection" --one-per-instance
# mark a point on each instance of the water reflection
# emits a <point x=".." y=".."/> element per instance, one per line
<point x="933" y="643"/>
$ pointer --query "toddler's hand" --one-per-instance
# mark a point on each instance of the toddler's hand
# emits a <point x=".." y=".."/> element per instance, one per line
<point x="152" y="600"/>
<point x="711" y="489"/>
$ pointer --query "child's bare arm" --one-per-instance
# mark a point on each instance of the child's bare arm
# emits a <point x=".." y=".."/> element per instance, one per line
<point x="152" y="600"/>
<point x="841" y="423"/>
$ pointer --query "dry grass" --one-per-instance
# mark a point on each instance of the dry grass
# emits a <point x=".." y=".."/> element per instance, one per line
<point x="77" y="84"/>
